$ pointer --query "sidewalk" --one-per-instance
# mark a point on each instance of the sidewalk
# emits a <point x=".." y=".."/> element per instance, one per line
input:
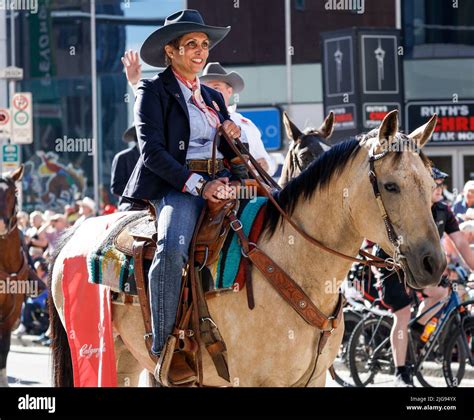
<point x="430" y="369"/>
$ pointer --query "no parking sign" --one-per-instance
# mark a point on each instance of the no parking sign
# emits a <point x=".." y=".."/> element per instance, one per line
<point x="22" y="113"/>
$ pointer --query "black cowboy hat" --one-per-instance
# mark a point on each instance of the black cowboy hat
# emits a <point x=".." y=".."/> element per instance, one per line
<point x="214" y="71"/>
<point x="130" y="134"/>
<point x="176" y="25"/>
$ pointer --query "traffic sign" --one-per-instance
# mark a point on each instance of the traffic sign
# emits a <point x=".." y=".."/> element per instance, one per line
<point x="13" y="73"/>
<point x="268" y="121"/>
<point x="5" y="123"/>
<point x="10" y="157"/>
<point x="22" y="112"/>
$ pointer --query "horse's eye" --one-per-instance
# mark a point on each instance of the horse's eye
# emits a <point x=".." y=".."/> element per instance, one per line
<point x="392" y="187"/>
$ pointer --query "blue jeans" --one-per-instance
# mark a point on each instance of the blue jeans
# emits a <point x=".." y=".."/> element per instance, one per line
<point x="177" y="216"/>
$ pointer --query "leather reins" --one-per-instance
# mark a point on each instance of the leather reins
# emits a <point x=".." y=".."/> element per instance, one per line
<point x="369" y="260"/>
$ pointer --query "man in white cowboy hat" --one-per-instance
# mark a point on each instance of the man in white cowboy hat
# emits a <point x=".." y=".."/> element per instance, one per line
<point x="87" y="208"/>
<point x="229" y="84"/>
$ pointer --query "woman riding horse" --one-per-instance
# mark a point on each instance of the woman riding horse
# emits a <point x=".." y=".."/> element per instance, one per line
<point x="176" y="121"/>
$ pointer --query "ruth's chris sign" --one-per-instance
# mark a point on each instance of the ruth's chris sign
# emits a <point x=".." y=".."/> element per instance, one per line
<point x="455" y="120"/>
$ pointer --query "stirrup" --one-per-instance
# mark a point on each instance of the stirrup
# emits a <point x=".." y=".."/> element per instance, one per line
<point x="185" y="375"/>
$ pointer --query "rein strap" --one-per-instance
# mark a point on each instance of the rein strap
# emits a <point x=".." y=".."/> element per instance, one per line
<point x="373" y="261"/>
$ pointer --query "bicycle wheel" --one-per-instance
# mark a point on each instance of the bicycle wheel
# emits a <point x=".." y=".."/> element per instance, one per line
<point x="430" y="372"/>
<point x="341" y="364"/>
<point x="370" y="351"/>
<point x="456" y="364"/>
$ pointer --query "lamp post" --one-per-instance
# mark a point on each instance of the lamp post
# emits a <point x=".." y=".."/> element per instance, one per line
<point x="95" y="131"/>
<point x="289" y="53"/>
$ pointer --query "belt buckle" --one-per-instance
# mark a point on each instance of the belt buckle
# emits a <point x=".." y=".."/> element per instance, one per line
<point x="209" y="166"/>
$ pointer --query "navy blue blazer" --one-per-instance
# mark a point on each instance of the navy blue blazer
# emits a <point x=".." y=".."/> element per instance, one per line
<point x="162" y="124"/>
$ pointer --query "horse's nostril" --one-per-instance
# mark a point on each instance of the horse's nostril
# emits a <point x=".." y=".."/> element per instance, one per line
<point x="428" y="264"/>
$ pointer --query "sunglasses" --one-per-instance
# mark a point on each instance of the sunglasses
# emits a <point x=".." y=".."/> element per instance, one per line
<point x="193" y="45"/>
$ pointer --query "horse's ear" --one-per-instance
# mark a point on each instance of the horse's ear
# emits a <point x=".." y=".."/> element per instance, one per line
<point x="292" y="131"/>
<point x="422" y="134"/>
<point x="17" y="174"/>
<point x="327" y="127"/>
<point x="389" y="126"/>
<point x="387" y="131"/>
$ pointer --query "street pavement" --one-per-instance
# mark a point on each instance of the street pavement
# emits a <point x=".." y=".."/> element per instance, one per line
<point x="29" y="365"/>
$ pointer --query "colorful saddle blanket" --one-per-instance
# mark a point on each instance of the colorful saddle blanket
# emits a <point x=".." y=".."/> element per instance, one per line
<point x="109" y="267"/>
<point x="229" y="270"/>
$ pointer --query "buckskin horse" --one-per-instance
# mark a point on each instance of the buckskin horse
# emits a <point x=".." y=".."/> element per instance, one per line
<point x="338" y="200"/>
<point x="305" y="146"/>
<point x="14" y="267"/>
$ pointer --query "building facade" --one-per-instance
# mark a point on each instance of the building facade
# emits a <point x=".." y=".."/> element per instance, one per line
<point x="437" y="40"/>
<point x="54" y="48"/>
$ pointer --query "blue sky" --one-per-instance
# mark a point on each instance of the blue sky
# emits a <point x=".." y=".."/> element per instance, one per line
<point x="148" y="8"/>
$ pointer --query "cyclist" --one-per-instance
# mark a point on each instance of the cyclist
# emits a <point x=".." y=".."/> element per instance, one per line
<point x="399" y="298"/>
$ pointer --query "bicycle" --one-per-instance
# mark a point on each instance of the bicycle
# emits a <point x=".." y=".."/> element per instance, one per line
<point x="370" y="353"/>
<point x="359" y="301"/>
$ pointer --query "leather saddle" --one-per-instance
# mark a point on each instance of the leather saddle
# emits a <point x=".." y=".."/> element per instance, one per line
<point x="143" y="229"/>
<point x="210" y="237"/>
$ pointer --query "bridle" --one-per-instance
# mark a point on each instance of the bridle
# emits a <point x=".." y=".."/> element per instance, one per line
<point x="294" y="157"/>
<point x="391" y="234"/>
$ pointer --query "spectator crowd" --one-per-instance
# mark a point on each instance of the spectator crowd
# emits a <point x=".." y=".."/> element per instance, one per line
<point x="41" y="232"/>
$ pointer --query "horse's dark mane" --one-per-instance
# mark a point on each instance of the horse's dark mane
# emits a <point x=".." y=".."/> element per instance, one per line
<point x="320" y="173"/>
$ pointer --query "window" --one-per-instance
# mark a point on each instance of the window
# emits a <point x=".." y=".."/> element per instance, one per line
<point x="432" y="27"/>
